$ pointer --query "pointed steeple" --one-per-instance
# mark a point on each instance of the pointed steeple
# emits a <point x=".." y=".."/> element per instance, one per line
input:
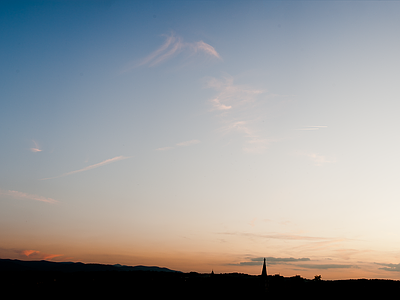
<point x="264" y="269"/>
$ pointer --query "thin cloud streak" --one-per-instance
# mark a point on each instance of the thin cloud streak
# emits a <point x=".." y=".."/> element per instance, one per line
<point x="175" y="45"/>
<point x="188" y="143"/>
<point x="170" y="39"/>
<point x="271" y="261"/>
<point x="20" y="195"/>
<point x="164" y="148"/>
<point x="38" y="255"/>
<point x="181" y="144"/>
<point x="103" y="163"/>
<point x="326" y="266"/>
<point x="175" y="49"/>
<point x="29" y="252"/>
<point x="206" y="48"/>
<point x="278" y="236"/>
<point x="390" y="267"/>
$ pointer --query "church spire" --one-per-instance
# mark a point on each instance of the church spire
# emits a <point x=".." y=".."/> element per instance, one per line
<point x="264" y="269"/>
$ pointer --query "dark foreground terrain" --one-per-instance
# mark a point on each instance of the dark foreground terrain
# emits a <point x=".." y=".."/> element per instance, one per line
<point x="62" y="280"/>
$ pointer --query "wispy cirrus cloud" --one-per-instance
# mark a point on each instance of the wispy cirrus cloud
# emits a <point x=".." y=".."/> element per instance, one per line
<point x="100" y="164"/>
<point x="175" y="45"/>
<point x="21" y="195"/>
<point x="164" y="148"/>
<point x="206" y="48"/>
<point x="170" y="40"/>
<point x="188" y="143"/>
<point x="36" y="148"/>
<point x="238" y="108"/>
<point x="231" y="95"/>
<point x="181" y="144"/>
<point x="300" y="242"/>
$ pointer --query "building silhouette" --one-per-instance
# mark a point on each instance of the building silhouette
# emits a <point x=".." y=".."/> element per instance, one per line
<point x="264" y="277"/>
<point x="264" y="269"/>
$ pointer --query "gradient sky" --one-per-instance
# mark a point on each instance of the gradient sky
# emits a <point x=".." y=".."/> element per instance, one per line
<point x="202" y="135"/>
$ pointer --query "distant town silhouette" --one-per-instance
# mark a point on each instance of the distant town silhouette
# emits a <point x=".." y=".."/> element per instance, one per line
<point x="78" y="280"/>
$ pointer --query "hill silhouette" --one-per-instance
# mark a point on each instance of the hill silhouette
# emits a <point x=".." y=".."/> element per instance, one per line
<point x="67" y="279"/>
<point x="43" y="265"/>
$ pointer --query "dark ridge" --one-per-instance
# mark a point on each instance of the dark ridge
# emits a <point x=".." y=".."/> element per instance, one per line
<point x="54" y="280"/>
<point x="43" y="265"/>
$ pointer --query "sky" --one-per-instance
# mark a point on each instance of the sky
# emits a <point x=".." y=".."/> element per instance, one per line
<point x="202" y="135"/>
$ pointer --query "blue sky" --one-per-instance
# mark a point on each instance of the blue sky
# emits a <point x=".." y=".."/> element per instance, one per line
<point x="201" y="135"/>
